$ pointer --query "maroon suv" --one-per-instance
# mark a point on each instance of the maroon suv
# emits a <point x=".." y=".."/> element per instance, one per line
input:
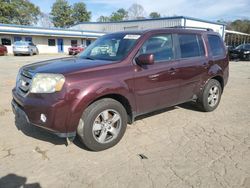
<point x="121" y="76"/>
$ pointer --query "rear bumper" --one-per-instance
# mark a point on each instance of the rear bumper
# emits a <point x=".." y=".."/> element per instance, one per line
<point x="21" y="52"/>
<point x="57" y="112"/>
<point x="74" y="52"/>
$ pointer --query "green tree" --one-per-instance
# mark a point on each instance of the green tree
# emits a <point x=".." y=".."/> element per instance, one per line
<point x="119" y="15"/>
<point x="240" y="25"/>
<point x="61" y="14"/>
<point x="21" y="12"/>
<point x="80" y="13"/>
<point x="154" y="15"/>
<point x="103" y="19"/>
<point x="136" y="11"/>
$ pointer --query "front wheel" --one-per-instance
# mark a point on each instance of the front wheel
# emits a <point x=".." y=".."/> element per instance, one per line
<point x="209" y="99"/>
<point x="102" y="124"/>
<point x="248" y="58"/>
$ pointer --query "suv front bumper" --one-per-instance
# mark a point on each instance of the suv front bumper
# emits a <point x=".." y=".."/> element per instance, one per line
<point x="56" y="112"/>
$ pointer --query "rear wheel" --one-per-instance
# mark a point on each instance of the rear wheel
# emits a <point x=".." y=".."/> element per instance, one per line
<point x="102" y="124"/>
<point x="211" y="95"/>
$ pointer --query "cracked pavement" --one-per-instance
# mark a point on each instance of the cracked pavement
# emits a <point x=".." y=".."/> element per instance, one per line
<point x="183" y="146"/>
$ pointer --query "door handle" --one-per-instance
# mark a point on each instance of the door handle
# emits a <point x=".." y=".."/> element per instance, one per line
<point x="172" y="71"/>
<point x="153" y="76"/>
<point x="205" y="65"/>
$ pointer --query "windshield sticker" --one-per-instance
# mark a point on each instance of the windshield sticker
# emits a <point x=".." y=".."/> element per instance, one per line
<point x="133" y="37"/>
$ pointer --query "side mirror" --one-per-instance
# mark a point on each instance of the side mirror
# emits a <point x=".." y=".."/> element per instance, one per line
<point x="145" y="59"/>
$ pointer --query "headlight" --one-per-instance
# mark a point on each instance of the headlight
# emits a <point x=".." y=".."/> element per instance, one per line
<point x="18" y="76"/>
<point x="47" y="83"/>
<point x="246" y="52"/>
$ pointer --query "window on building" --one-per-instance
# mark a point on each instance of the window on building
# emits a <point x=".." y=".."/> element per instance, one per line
<point x="17" y="38"/>
<point x="191" y="45"/>
<point x="88" y="42"/>
<point x="51" y="42"/>
<point x="216" y="45"/>
<point x="159" y="45"/>
<point x="28" y="39"/>
<point x="73" y="42"/>
<point x="6" y="41"/>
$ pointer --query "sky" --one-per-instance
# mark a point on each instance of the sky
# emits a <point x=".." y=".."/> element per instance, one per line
<point x="212" y="10"/>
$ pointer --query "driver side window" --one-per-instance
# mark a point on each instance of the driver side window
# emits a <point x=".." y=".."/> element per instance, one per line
<point x="161" y="46"/>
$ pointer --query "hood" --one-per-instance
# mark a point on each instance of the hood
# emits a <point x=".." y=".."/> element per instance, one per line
<point x="64" y="65"/>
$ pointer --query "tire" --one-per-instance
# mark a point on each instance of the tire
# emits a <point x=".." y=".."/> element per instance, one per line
<point x="210" y="97"/>
<point x="31" y="53"/>
<point x="96" y="122"/>
<point x="248" y="58"/>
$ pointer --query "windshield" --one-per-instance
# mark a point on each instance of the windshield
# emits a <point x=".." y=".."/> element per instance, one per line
<point x="111" y="47"/>
<point x="247" y="46"/>
<point x="239" y="47"/>
<point x="21" y="43"/>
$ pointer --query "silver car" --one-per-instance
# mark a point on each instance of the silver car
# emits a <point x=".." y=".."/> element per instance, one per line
<point x="24" y="47"/>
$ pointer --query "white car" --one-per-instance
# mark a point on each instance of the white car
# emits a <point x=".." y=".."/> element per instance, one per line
<point x="24" y="47"/>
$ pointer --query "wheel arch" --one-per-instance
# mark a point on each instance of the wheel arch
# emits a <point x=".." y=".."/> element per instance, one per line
<point x="220" y="80"/>
<point x="122" y="99"/>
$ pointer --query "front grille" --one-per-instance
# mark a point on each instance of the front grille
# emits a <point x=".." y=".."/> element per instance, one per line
<point x="24" y="83"/>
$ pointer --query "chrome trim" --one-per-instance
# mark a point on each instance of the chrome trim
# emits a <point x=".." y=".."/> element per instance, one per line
<point x="24" y="83"/>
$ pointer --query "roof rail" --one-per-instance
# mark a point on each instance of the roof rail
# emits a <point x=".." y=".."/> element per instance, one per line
<point x="188" y="27"/>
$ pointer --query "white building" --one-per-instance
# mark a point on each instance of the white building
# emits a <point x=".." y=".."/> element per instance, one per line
<point x="51" y="40"/>
<point x="47" y="40"/>
<point x="178" y="21"/>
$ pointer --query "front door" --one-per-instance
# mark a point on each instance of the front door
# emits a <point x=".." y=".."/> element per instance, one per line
<point x="157" y="85"/>
<point x="60" y="45"/>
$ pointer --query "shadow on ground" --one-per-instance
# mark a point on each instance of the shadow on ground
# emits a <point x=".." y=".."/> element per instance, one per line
<point x="40" y="134"/>
<point x="15" y="181"/>
<point x="36" y="132"/>
<point x="155" y="113"/>
<point x="190" y="106"/>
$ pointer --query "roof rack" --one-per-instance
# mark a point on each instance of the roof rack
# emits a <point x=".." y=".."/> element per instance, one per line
<point x="188" y="27"/>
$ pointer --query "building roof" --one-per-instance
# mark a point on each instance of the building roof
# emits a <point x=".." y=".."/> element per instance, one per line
<point x="42" y="31"/>
<point x="153" y="19"/>
<point x="237" y="32"/>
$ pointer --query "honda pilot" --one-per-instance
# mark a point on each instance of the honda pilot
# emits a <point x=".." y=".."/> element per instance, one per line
<point x="119" y="77"/>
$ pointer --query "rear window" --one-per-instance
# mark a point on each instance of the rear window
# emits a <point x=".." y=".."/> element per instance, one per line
<point x="216" y="45"/>
<point x="191" y="45"/>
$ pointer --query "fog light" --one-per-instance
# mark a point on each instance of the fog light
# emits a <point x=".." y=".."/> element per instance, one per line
<point x="43" y="118"/>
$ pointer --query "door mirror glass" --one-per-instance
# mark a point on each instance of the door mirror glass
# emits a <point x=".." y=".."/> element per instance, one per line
<point x="145" y="59"/>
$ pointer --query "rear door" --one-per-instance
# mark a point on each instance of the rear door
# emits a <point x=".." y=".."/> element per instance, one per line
<point x="156" y="86"/>
<point x="193" y="64"/>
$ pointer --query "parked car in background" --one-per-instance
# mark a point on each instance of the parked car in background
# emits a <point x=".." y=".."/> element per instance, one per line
<point x="24" y="48"/>
<point x="3" y="50"/>
<point x="74" y="50"/>
<point x="119" y="77"/>
<point x="241" y="52"/>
